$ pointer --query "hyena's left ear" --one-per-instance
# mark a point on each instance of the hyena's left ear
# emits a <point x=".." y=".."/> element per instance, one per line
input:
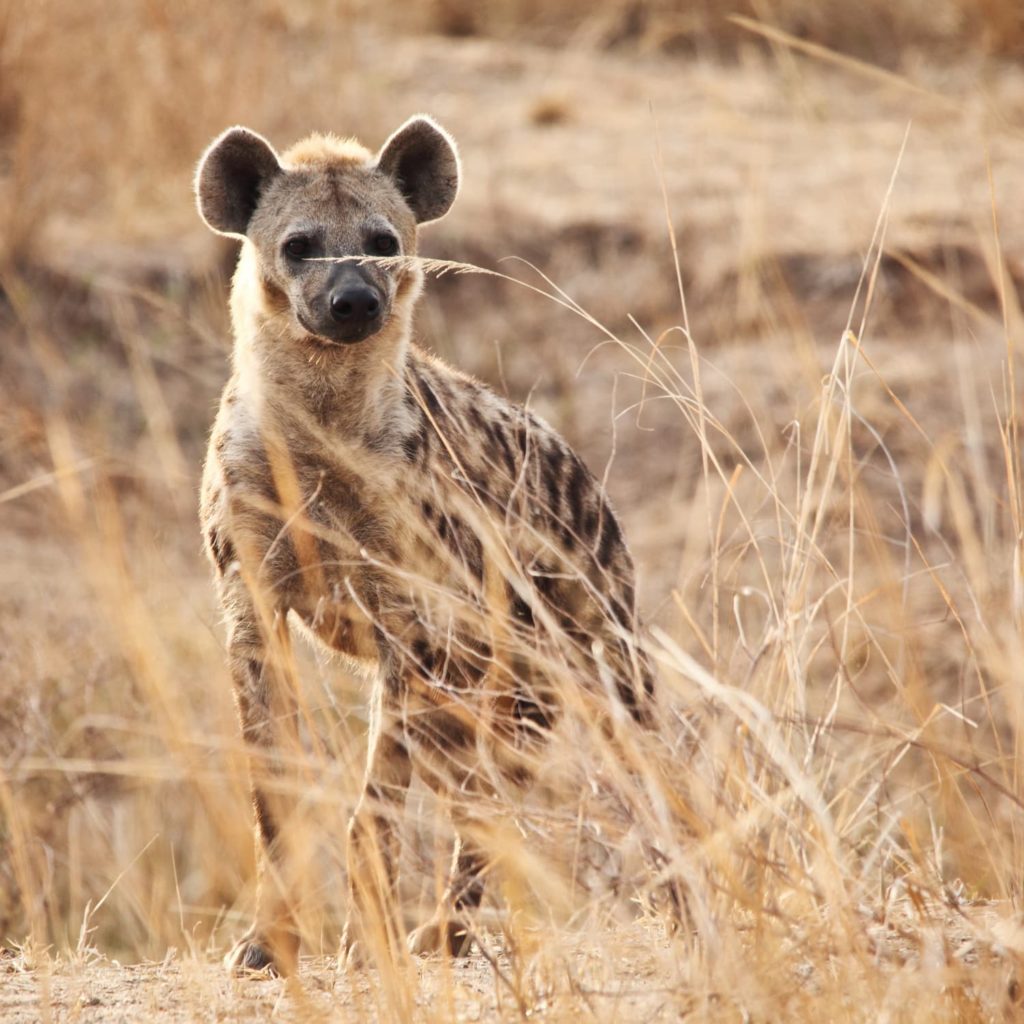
<point x="233" y="172"/>
<point x="422" y="159"/>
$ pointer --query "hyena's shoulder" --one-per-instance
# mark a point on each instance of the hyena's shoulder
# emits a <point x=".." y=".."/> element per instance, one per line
<point x="235" y="454"/>
<point x="487" y="435"/>
<point x="511" y="455"/>
<point x="237" y="485"/>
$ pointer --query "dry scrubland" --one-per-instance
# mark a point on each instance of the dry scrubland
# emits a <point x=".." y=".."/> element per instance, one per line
<point x="817" y="458"/>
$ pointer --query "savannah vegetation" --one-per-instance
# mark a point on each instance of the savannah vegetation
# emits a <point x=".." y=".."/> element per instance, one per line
<point x="761" y="264"/>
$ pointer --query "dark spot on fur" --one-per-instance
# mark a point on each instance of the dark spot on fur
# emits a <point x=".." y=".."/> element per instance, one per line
<point x="466" y="672"/>
<point x="411" y="447"/>
<point x="221" y="549"/>
<point x="627" y="695"/>
<point x="620" y="613"/>
<point x="519" y="609"/>
<point x="553" y="479"/>
<point x="498" y="440"/>
<point x="424" y="657"/>
<point x="575" y="493"/>
<point x="522" y="438"/>
<point x="467" y="546"/>
<point x="527" y="710"/>
<point x="481" y="492"/>
<point x="476" y="417"/>
<point x="543" y="581"/>
<point x="648" y="683"/>
<point x="496" y="443"/>
<point x="443" y="731"/>
<point x="429" y="398"/>
<point x="611" y="537"/>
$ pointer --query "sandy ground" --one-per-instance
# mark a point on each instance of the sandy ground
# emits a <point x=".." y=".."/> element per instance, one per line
<point x="95" y="990"/>
<point x="760" y="162"/>
<point x="972" y="955"/>
<point x="98" y="992"/>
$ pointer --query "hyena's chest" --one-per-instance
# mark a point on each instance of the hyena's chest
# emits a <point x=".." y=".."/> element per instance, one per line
<point x="382" y="551"/>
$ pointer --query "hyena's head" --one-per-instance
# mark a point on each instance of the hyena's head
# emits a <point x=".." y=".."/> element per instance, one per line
<point x="328" y="197"/>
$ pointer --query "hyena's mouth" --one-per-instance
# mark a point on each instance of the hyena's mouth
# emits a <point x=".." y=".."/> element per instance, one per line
<point x="312" y="332"/>
<point x="339" y="337"/>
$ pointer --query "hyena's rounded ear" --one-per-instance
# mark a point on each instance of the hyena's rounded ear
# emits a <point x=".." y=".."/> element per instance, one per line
<point x="422" y="159"/>
<point x="232" y="173"/>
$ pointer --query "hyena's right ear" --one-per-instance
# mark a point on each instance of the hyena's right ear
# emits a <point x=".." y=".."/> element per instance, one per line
<point x="232" y="173"/>
<point x="422" y="160"/>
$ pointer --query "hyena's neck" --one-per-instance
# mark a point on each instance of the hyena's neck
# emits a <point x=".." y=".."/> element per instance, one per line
<point x="354" y="393"/>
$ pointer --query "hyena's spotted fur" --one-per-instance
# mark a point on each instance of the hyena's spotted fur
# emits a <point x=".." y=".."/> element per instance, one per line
<point x="445" y="540"/>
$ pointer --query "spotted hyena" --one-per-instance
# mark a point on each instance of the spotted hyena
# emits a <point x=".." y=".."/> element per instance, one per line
<point x="447" y="542"/>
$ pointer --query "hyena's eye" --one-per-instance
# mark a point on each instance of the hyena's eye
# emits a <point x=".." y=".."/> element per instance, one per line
<point x="298" y="247"/>
<point x="384" y="244"/>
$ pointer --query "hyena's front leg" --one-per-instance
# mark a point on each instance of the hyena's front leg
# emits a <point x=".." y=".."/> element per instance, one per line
<point x="260" y="659"/>
<point x="374" y="914"/>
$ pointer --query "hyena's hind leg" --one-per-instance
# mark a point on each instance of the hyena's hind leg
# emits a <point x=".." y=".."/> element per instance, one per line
<point x="449" y="930"/>
<point x="471" y="804"/>
<point x="446" y="748"/>
<point x="267" y="711"/>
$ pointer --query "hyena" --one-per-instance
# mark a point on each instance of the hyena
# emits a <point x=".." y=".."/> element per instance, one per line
<point x="447" y="542"/>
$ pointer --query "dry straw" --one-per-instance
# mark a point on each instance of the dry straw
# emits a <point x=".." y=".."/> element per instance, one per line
<point x="824" y="820"/>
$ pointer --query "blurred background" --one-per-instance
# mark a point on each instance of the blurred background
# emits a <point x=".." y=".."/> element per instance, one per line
<point x="833" y="525"/>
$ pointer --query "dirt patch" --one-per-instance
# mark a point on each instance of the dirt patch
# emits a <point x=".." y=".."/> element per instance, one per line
<point x="955" y="963"/>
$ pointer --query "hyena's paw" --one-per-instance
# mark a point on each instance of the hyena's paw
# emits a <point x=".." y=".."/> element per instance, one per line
<point x="255" y="955"/>
<point x="449" y="935"/>
<point x="353" y="951"/>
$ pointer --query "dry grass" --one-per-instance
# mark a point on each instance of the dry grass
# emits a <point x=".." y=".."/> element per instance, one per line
<point x="817" y="457"/>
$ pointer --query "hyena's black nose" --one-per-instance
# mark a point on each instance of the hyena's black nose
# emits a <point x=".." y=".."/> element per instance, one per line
<point x="355" y="304"/>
